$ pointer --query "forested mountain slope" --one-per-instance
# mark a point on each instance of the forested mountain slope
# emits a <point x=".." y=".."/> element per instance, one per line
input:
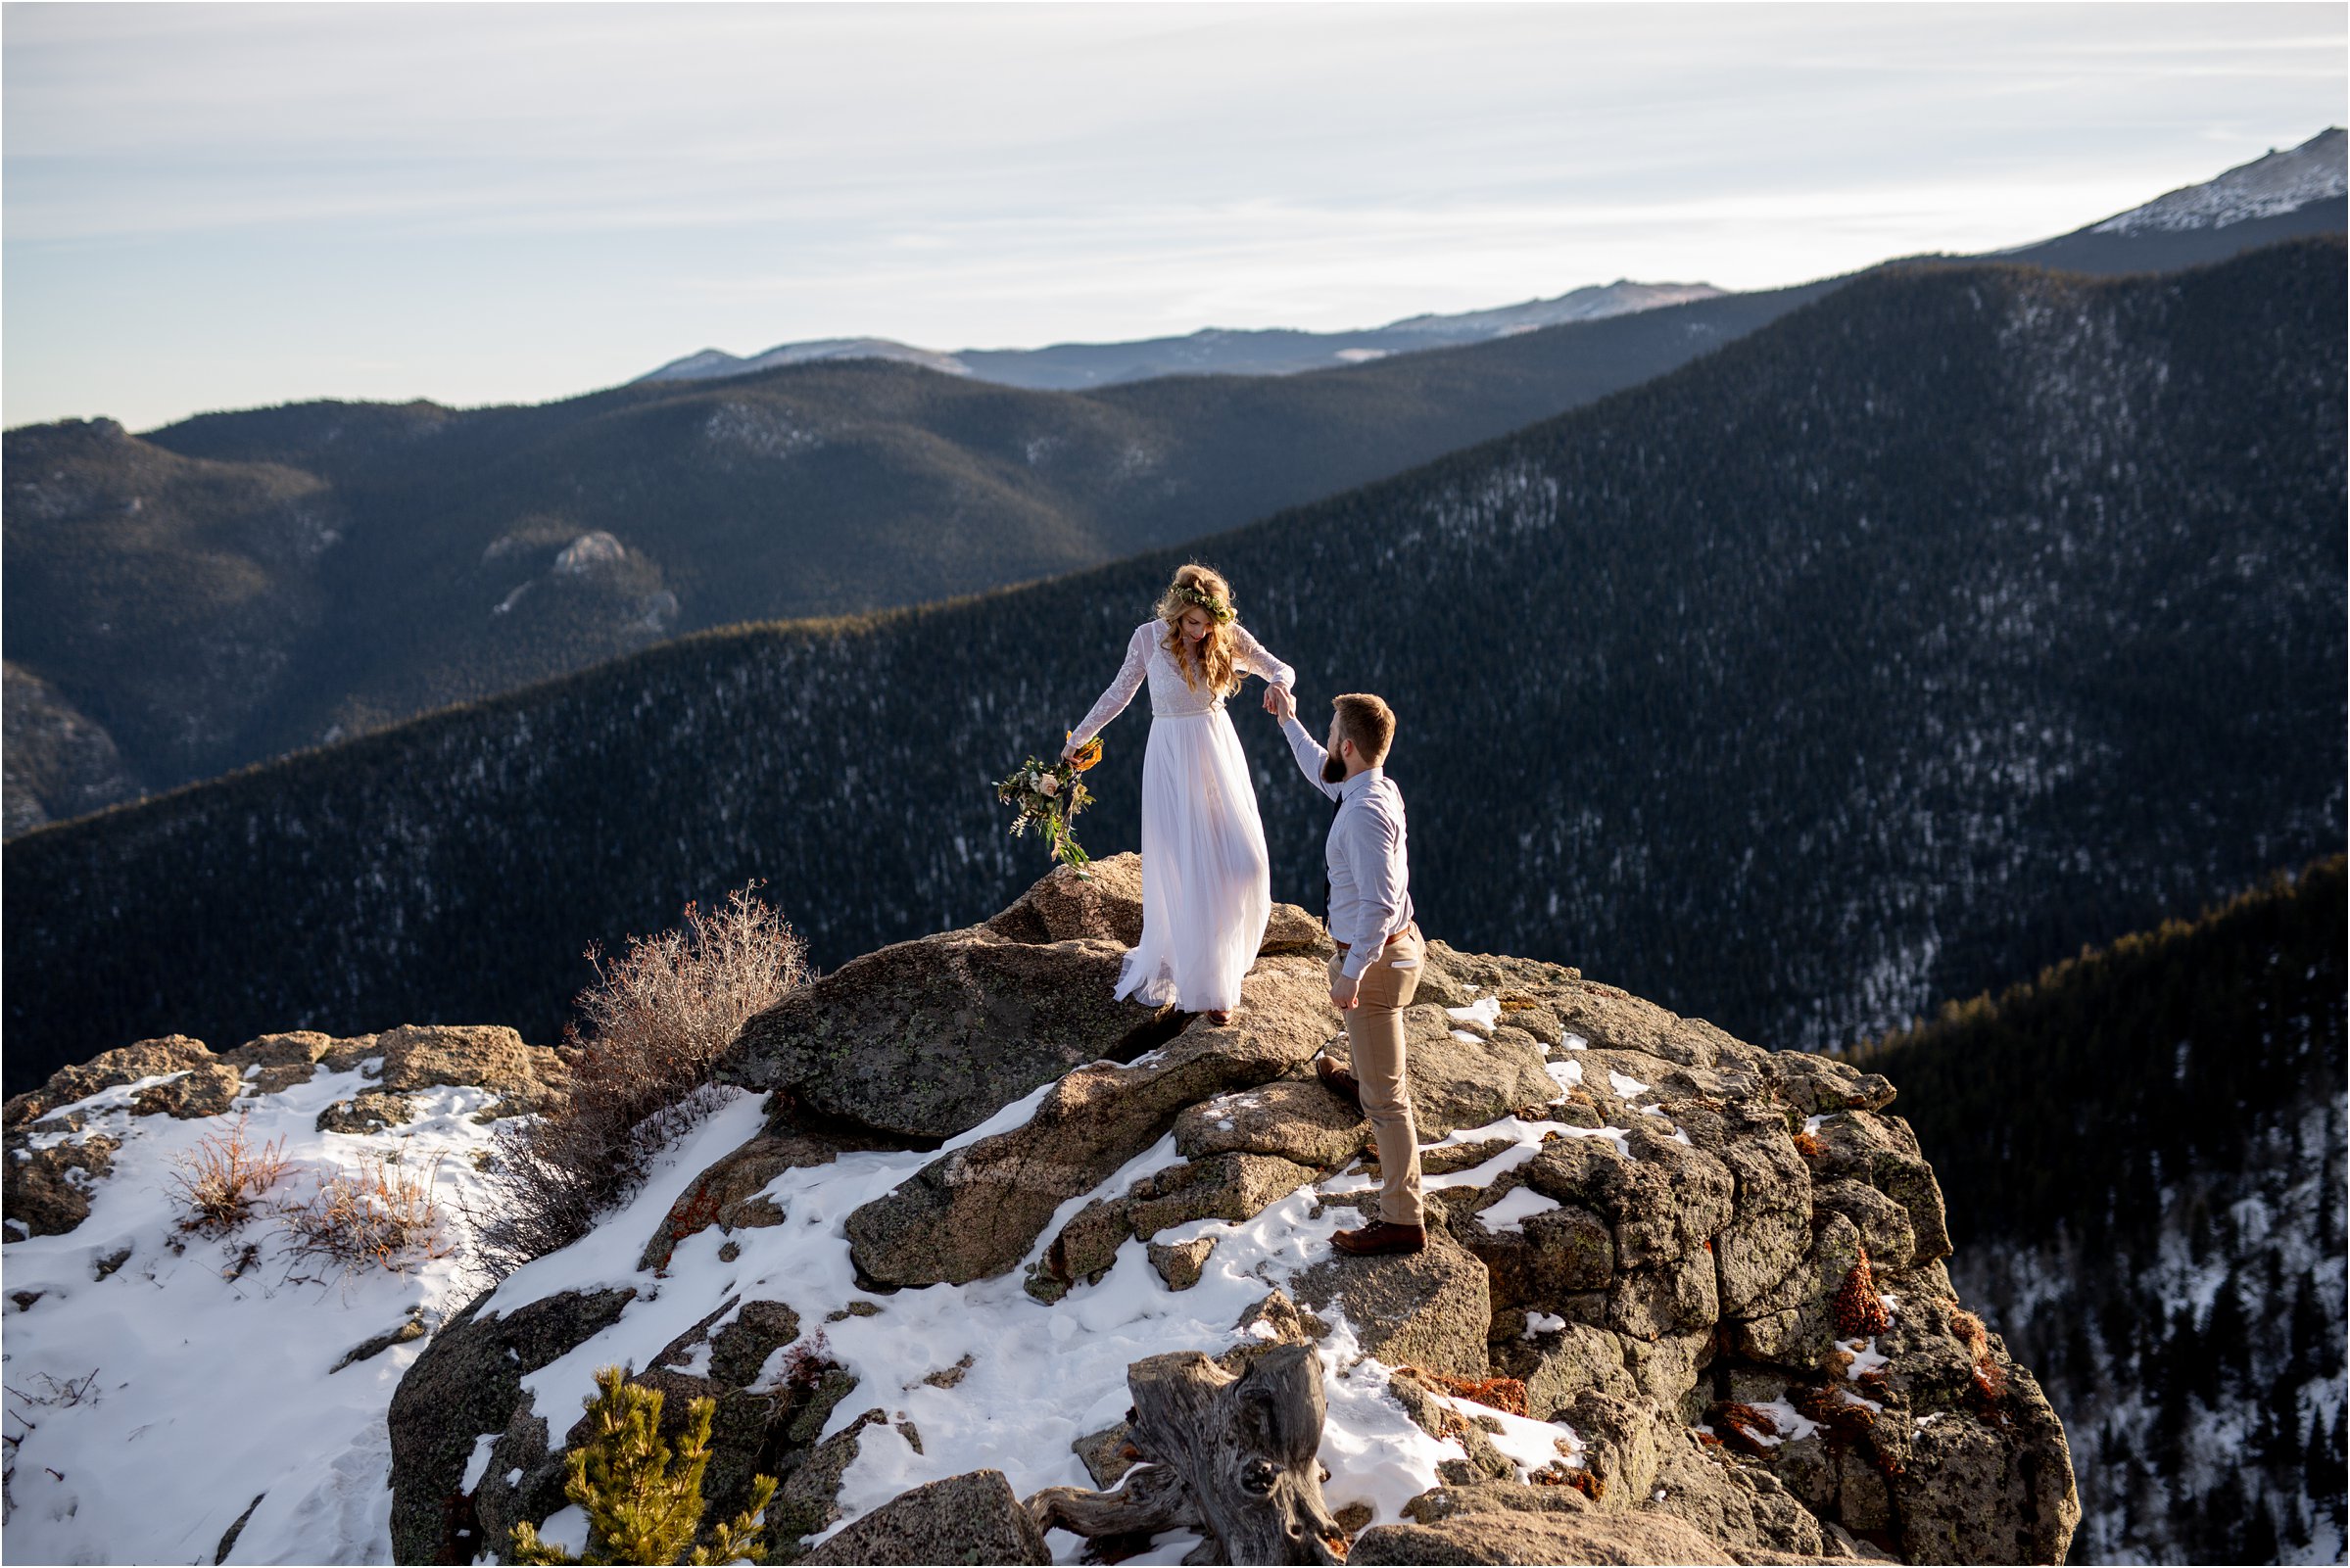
<point x="2144" y="1155"/>
<point x="239" y="585"/>
<point x="1961" y="617"/>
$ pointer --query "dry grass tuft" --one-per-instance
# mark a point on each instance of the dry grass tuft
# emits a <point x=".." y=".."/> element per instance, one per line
<point x="216" y="1183"/>
<point x="382" y="1215"/>
<point x="655" y="1023"/>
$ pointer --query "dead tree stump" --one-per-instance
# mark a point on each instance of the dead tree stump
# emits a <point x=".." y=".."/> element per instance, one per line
<point x="1232" y="1457"/>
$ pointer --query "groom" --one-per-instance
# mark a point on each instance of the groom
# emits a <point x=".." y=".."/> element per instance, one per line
<point x="1377" y="968"/>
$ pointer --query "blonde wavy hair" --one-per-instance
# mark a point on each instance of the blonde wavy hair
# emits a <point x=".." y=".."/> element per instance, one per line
<point x="1197" y="587"/>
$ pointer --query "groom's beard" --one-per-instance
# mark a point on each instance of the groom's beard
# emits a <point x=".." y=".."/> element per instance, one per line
<point x="1332" y="770"/>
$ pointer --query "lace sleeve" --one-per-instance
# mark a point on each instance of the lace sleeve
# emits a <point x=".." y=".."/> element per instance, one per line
<point x="1122" y="687"/>
<point x="1250" y="655"/>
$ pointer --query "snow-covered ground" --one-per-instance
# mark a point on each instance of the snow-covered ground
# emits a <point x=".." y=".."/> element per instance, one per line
<point x="211" y="1391"/>
<point x="158" y="1395"/>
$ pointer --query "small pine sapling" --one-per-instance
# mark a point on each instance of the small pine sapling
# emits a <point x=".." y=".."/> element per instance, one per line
<point x="643" y="1500"/>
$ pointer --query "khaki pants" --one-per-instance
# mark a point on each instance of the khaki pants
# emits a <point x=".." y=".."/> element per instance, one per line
<point x="1375" y="1041"/>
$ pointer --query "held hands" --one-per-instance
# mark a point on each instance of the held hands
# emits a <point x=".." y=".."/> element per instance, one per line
<point x="1342" y="992"/>
<point x="1280" y="702"/>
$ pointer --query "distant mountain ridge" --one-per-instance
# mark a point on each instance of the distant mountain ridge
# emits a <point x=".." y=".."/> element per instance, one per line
<point x="1963" y="616"/>
<point x="2283" y="194"/>
<point x="239" y="585"/>
<point x="1210" y="350"/>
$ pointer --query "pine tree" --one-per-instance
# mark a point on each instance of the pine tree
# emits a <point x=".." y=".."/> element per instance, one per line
<point x="643" y="1502"/>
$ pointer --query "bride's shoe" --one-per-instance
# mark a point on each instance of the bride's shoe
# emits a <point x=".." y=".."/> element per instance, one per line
<point x="1219" y="1017"/>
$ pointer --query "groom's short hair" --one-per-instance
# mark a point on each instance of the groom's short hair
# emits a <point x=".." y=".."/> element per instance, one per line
<point x="1366" y="721"/>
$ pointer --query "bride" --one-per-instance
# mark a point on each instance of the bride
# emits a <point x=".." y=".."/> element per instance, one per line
<point x="1206" y="887"/>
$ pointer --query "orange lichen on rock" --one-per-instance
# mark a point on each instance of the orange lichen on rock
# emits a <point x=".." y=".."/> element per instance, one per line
<point x="1990" y="1378"/>
<point x="1503" y="1394"/>
<point x="1745" y="1429"/>
<point x="1858" y="1309"/>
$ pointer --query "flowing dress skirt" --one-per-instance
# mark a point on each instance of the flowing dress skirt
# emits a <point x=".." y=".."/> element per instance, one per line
<point x="1207" y="889"/>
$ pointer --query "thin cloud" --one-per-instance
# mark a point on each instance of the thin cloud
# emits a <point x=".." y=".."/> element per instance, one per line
<point x="195" y="191"/>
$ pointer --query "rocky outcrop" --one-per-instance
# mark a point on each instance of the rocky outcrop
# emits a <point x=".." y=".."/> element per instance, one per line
<point x="170" y="1057"/>
<point x="976" y="1211"/>
<point x="769" y="1413"/>
<point x="1104" y="903"/>
<point x="1715" y="1270"/>
<point x="467" y="1384"/>
<point x="526" y="1079"/>
<point x="48" y="1187"/>
<point x="50" y="1165"/>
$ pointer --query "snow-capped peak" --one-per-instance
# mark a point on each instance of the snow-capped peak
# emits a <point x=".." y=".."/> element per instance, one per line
<point x="2263" y="188"/>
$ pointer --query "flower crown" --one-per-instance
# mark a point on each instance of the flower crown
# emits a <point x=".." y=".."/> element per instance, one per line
<point x="1217" y="610"/>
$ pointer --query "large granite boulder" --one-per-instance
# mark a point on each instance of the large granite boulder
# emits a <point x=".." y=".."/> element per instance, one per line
<point x="1104" y="902"/>
<point x="928" y="1038"/>
<point x="976" y="1211"/>
<point x="965" y="1518"/>
<point x="1293" y="1118"/>
<point x="924" y="1039"/>
<point x="1427" y="1309"/>
<point x="1464" y="1078"/>
<point x="526" y="1079"/>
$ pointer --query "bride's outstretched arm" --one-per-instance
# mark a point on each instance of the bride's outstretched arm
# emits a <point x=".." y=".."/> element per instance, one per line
<point x="1122" y="687"/>
<point x="1253" y="656"/>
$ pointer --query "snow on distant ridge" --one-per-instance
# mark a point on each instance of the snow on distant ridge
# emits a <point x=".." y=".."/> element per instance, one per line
<point x="2263" y="188"/>
<point x="714" y="362"/>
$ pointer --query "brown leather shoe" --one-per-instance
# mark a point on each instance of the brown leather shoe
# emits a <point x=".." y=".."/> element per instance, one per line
<point x="1339" y="1082"/>
<point x="1381" y="1240"/>
<point x="1219" y="1017"/>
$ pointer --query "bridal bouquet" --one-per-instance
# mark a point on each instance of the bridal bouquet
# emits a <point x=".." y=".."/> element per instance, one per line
<point x="1047" y="796"/>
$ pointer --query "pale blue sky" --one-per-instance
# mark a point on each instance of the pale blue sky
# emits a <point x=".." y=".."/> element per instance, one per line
<point x="224" y="206"/>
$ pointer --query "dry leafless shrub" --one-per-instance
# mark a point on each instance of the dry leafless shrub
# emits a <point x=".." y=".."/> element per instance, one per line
<point x="650" y="1032"/>
<point x="215" y="1183"/>
<point x="381" y="1214"/>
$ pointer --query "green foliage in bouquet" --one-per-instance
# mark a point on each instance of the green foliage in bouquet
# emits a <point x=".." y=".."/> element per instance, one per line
<point x="644" y="1503"/>
<point x="1048" y="796"/>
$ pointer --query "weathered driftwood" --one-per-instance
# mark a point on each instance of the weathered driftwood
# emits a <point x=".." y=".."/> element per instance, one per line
<point x="1232" y="1457"/>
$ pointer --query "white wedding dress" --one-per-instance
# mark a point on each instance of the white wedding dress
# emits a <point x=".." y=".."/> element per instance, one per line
<point x="1207" y="889"/>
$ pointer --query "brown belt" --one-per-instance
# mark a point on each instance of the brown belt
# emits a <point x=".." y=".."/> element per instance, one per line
<point x="1410" y="929"/>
